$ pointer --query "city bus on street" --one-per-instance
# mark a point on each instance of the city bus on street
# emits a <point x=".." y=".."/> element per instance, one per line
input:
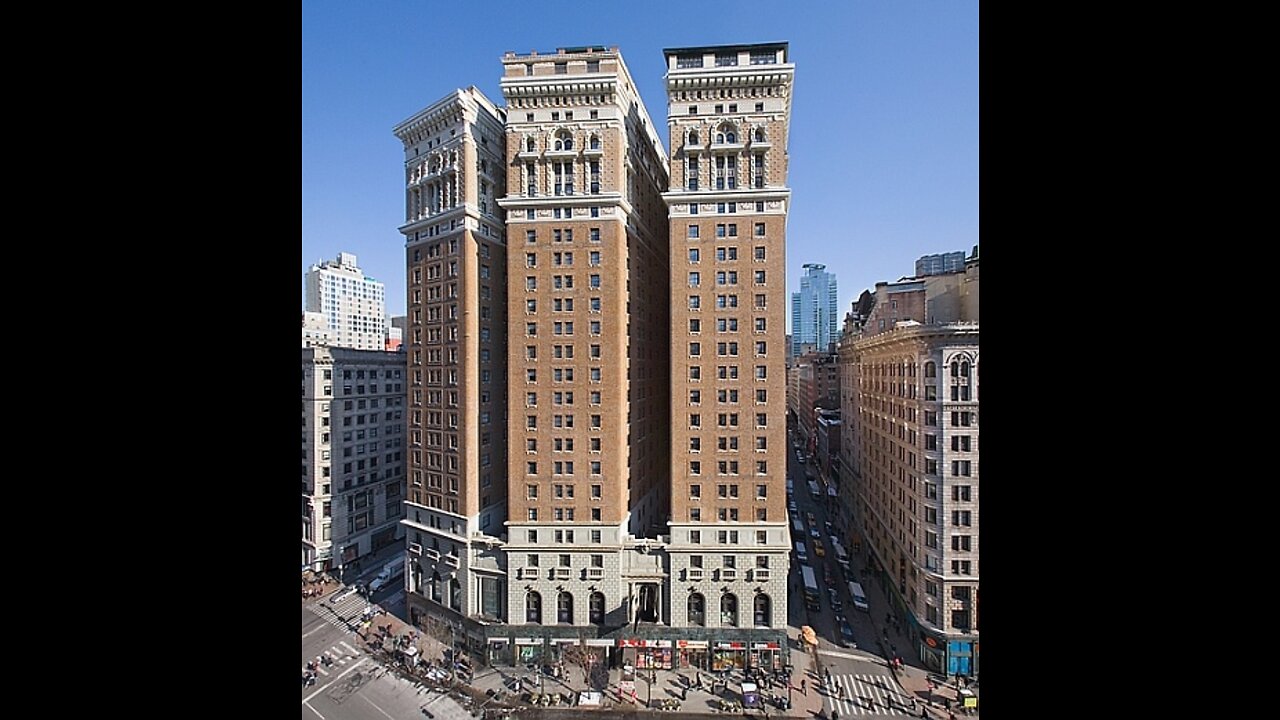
<point x="859" y="597"/>
<point x="810" y="588"/>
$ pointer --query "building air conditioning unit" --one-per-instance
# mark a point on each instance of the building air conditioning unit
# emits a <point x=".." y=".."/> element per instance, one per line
<point x="415" y="549"/>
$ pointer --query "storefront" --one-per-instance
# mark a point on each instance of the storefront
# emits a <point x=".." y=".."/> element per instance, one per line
<point x="932" y="652"/>
<point x="499" y="652"/>
<point x="528" y="651"/>
<point x="645" y="654"/>
<point x="729" y="656"/>
<point x="766" y="656"/>
<point x="692" y="654"/>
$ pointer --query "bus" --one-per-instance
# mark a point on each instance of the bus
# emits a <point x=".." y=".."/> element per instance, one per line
<point x="859" y="597"/>
<point x="810" y="588"/>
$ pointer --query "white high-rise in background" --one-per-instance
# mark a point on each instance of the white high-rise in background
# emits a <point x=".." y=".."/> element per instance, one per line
<point x="353" y="306"/>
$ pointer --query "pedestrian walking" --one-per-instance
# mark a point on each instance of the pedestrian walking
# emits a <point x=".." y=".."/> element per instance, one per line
<point x="804" y="685"/>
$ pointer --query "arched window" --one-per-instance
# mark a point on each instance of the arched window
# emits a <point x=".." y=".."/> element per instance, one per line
<point x="435" y="586"/>
<point x="533" y="608"/>
<point x="729" y="610"/>
<point x="455" y="594"/>
<point x="955" y="368"/>
<point x="595" y="142"/>
<point x="697" y="609"/>
<point x="564" y="608"/>
<point x="564" y="141"/>
<point x="763" y="611"/>
<point x="693" y="137"/>
<point x="530" y="145"/>
<point x="596" y="605"/>
<point x="964" y="369"/>
<point x="930" y="370"/>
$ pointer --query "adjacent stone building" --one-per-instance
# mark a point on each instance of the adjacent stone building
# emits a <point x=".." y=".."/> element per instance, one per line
<point x="909" y="456"/>
<point x="353" y="456"/>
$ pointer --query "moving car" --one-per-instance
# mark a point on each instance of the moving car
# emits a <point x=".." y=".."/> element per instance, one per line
<point x="846" y="632"/>
<point x="813" y="533"/>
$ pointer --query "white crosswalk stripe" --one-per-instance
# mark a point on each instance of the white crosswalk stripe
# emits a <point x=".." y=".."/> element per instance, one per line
<point x="348" y="610"/>
<point x="866" y="695"/>
<point x="337" y="654"/>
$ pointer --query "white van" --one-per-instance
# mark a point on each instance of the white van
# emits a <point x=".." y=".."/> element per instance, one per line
<point x="392" y="570"/>
<point x="801" y="554"/>
<point x="859" y="597"/>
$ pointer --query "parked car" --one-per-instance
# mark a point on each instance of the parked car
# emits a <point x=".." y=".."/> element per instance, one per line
<point x="818" y="550"/>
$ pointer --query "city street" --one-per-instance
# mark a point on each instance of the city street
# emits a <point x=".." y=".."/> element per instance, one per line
<point x="856" y="666"/>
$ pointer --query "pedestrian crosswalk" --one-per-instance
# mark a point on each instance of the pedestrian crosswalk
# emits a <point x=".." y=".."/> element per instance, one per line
<point x="347" y="612"/>
<point x="866" y="695"/>
<point x="339" y="654"/>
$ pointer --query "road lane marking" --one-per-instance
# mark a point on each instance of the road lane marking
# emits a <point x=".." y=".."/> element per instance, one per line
<point x="375" y="706"/>
<point x="307" y="705"/>
<point x="349" y="648"/>
<point x="318" y="629"/>
<point x="331" y="682"/>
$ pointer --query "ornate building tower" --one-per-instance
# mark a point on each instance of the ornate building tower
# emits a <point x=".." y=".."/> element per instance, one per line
<point x="456" y="259"/>
<point x="587" y="353"/>
<point x="728" y="110"/>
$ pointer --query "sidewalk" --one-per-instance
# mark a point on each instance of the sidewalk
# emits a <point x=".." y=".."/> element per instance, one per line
<point x="940" y="701"/>
<point x="679" y="685"/>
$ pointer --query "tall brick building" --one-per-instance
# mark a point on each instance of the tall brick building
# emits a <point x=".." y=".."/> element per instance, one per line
<point x="456" y="261"/>
<point x="728" y="110"/>
<point x="587" y="462"/>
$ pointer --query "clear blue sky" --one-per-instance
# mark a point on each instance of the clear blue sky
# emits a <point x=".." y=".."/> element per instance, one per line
<point x="884" y="123"/>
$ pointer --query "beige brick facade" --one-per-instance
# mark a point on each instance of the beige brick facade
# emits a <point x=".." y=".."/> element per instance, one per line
<point x="456" y="264"/>
<point x="588" y="320"/>
<point x="728" y="114"/>
<point x="911" y="408"/>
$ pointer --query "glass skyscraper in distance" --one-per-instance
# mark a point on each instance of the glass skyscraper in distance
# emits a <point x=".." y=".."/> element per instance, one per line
<point x="813" y="310"/>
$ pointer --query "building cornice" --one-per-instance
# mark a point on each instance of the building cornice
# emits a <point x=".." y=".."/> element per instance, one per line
<point x="558" y="85"/>
<point x="962" y="331"/>
<point x="734" y="76"/>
